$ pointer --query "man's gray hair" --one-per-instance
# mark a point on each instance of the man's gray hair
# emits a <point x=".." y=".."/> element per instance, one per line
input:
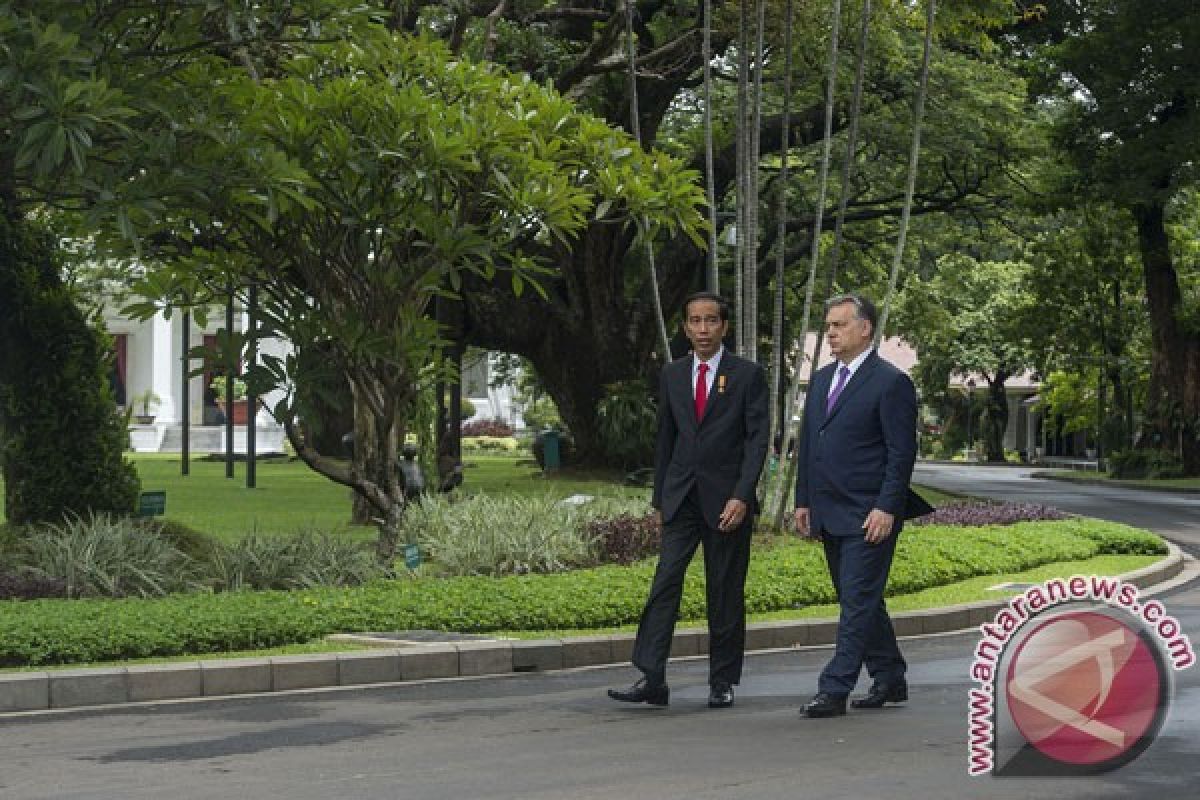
<point x="863" y="307"/>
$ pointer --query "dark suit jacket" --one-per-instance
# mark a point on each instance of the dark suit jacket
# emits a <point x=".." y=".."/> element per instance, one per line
<point x="722" y="454"/>
<point x="861" y="456"/>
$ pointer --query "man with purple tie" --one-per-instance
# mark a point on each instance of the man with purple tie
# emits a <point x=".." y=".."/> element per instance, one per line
<point x="711" y="445"/>
<point x="855" y="459"/>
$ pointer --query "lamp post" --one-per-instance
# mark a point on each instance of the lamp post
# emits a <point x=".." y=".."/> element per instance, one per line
<point x="970" y="402"/>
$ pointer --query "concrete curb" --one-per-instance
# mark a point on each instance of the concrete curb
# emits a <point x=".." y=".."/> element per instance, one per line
<point x="77" y="688"/>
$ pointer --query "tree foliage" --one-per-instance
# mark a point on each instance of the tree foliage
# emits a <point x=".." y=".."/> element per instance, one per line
<point x="61" y="438"/>
<point x="1126" y="76"/>
<point x="371" y="179"/>
<point x="966" y="320"/>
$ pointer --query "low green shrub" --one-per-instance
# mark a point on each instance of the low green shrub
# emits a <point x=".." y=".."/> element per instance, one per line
<point x="1117" y="539"/>
<point x="492" y="444"/>
<point x="1145" y="464"/>
<point x="107" y="556"/>
<point x="196" y="545"/>
<point x="40" y="632"/>
<point x="304" y="560"/>
<point x="8" y="543"/>
<point x="499" y="535"/>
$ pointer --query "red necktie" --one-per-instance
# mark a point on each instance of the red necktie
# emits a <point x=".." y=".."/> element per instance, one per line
<point x="701" y="390"/>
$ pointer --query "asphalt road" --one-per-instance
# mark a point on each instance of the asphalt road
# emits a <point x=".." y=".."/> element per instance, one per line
<point x="557" y="736"/>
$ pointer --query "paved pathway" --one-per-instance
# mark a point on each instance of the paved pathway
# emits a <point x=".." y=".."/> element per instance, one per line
<point x="556" y="735"/>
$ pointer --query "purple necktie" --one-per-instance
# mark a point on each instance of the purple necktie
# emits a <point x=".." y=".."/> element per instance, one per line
<point x="831" y="401"/>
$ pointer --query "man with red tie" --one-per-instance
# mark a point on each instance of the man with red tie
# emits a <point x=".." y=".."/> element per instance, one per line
<point x="711" y="445"/>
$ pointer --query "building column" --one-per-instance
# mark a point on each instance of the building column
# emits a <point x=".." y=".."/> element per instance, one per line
<point x="165" y="368"/>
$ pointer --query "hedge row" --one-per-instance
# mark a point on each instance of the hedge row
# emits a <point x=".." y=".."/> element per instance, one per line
<point x="789" y="576"/>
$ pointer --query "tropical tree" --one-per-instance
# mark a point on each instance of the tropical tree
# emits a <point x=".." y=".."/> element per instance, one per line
<point x="89" y="96"/>
<point x="598" y="298"/>
<point x="370" y="180"/>
<point x="1085" y="284"/>
<point x="966" y="320"/>
<point x="1126" y="75"/>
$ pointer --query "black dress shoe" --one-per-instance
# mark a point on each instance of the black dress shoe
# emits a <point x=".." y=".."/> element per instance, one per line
<point x="826" y="705"/>
<point x="642" y="692"/>
<point x="880" y="694"/>
<point x="720" y="695"/>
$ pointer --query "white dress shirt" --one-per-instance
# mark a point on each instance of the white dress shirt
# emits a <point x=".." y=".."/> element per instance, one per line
<point x="714" y="364"/>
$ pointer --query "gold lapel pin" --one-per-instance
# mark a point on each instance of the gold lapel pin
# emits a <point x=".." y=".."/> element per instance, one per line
<point x="720" y="384"/>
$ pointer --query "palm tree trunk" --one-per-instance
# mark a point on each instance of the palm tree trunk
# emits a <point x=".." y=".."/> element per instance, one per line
<point x="750" y="266"/>
<point x="779" y="360"/>
<point x="635" y="128"/>
<point x="713" y="281"/>
<point x="744" y="154"/>
<point x="784" y="477"/>
<point x="914" y="155"/>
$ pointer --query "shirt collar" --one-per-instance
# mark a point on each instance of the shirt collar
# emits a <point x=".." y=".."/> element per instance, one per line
<point x="714" y="363"/>
<point x="858" y="361"/>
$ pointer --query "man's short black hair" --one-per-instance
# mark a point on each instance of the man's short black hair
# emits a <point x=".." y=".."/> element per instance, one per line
<point x="722" y="303"/>
<point x="863" y="307"/>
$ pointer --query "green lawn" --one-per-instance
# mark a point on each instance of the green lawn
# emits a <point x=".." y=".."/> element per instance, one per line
<point x="1191" y="484"/>
<point x="290" y="497"/>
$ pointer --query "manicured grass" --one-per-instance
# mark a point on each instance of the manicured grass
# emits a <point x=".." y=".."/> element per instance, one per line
<point x="1192" y="484"/>
<point x="937" y="498"/>
<point x="291" y="497"/>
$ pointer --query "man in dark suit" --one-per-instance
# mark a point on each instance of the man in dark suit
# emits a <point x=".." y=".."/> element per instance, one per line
<point x="857" y="448"/>
<point x="712" y="441"/>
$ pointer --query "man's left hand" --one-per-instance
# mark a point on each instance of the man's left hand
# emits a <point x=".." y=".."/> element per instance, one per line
<point x="878" y="526"/>
<point x="733" y="515"/>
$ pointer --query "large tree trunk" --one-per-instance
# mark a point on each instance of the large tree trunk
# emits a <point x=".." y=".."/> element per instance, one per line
<point x="589" y="331"/>
<point x="995" y="418"/>
<point x="1173" y="405"/>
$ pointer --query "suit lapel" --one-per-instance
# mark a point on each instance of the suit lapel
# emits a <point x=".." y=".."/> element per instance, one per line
<point x="681" y="385"/>
<point x="860" y="377"/>
<point x="820" y="392"/>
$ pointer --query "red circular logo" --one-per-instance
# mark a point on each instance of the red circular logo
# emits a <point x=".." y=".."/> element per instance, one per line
<point x="1086" y="689"/>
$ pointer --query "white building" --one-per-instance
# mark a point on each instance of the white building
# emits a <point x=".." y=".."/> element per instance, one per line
<point x="150" y="356"/>
<point x="490" y="402"/>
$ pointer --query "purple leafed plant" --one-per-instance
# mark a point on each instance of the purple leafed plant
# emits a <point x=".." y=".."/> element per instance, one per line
<point x="23" y="586"/>
<point x="974" y="512"/>
<point x="626" y="538"/>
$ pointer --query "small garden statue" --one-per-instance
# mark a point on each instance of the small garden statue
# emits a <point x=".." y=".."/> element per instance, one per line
<point x="414" y="479"/>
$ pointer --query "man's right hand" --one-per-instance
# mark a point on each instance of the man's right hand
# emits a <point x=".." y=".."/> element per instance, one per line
<point x="800" y="519"/>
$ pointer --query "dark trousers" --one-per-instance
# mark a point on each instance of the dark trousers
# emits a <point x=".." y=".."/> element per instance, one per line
<point x="726" y="558"/>
<point x="859" y="571"/>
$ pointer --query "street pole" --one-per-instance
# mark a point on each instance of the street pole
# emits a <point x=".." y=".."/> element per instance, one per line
<point x="970" y="404"/>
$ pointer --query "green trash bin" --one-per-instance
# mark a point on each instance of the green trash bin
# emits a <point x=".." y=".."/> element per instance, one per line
<point x="551" y="454"/>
